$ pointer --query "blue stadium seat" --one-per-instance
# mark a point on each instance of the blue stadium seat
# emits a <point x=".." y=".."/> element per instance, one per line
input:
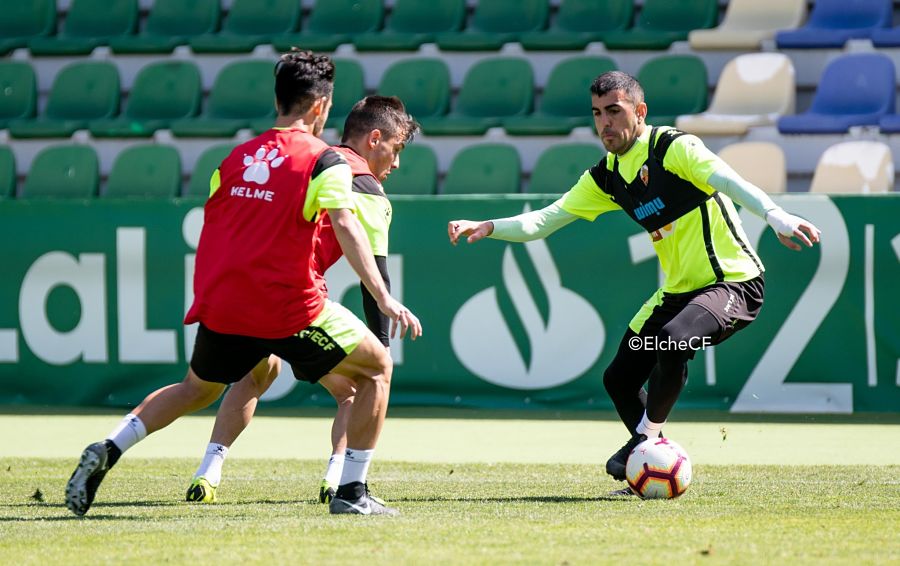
<point x="886" y="37"/>
<point x="855" y="90"/>
<point x="832" y="22"/>
<point x="889" y="124"/>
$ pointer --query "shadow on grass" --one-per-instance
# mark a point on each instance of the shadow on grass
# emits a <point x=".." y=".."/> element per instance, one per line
<point x="523" y="499"/>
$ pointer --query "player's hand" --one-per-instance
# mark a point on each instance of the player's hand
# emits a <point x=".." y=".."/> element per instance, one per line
<point x="474" y="230"/>
<point x="787" y="227"/>
<point x="402" y="319"/>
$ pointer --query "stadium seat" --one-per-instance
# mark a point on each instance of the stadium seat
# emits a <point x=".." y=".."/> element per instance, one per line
<point x="855" y="90"/>
<point x="63" y="171"/>
<point x="349" y="88"/>
<point x="412" y="23"/>
<point x="417" y="174"/>
<point x="493" y="89"/>
<point x="559" y="168"/>
<point x="81" y="91"/>
<point x="761" y="163"/>
<point x="832" y="22"/>
<point x="23" y="21"/>
<point x="566" y="100"/>
<point x="580" y="22"/>
<point x="422" y="84"/>
<point x="171" y="23"/>
<point x="749" y="22"/>
<point x="662" y="22"/>
<point x="18" y="91"/>
<point x="208" y="162"/>
<point x="250" y="23"/>
<point x="334" y="22"/>
<point x="486" y="168"/>
<point x="162" y="92"/>
<point x="753" y="90"/>
<point x="854" y="167"/>
<point x="889" y="37"/>
<point x="242" y="92"/>
<point x="495" y="23"/>
<point x="673" y="85"/>
<point x="152" y="171"/>
<point x="7" y="173"/>
<point x="89" y="23"/>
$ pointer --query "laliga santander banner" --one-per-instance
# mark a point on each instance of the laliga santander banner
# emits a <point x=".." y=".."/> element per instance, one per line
<point x="93" y="294"/>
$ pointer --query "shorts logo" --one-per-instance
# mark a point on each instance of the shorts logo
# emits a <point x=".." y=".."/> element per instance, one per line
<point x="730" y="304"/>
<point x="317" y="336"/>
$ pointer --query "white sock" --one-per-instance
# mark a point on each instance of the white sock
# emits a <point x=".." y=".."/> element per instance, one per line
<point x="129" y="432"/>
<point x="356" y="465"/>
<point x="648" y="427"/>
<point x="211" y="466"/>
<point x="335" y="469"/>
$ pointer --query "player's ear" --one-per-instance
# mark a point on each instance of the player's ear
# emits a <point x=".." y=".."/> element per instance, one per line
<point x="374" y="138"/>
<point x="641" y="111"/>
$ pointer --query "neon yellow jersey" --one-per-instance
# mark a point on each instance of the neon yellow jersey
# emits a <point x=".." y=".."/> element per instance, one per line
<point x="696" y="231"/>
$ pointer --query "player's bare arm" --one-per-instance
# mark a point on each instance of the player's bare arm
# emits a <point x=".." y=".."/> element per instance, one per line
<point x="355" y="246"/>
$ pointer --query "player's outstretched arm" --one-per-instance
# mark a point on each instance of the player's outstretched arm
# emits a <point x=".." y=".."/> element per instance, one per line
<point x="355" y="245"/>
<point x="473" y="231"/>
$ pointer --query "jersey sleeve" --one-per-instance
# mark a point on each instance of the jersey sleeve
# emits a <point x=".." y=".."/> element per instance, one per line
<point x="330" y="185"/>
<point x="586" y="199"/>
<point x="691" y="160"/>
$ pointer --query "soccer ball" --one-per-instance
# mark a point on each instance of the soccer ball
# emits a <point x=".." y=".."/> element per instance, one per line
<point x="658" y="468"/>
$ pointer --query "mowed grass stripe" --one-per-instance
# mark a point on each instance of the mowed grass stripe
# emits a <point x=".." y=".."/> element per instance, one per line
<point x="453" y="514"/>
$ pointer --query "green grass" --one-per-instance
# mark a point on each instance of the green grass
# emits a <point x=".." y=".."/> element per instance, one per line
<point x="473" y="488"/>
<point x="467" y="513"/>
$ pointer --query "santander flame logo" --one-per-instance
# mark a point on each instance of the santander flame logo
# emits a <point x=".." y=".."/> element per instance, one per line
<point x="563" y="346"/>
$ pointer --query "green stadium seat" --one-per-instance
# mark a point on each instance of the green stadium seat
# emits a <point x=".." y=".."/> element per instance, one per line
<point x="422" y="84"/>
<point x="88" y="24"/>
<point x="566" y="101"/>
<point x="81" y="92"/>
<point x="417" y="174"/>
<point x="486" y="168"/>
<point x="495" y="23"/>
<point x="662" y="22"/>
<point x="349" y="88"/>
<point x="150" y="171"/>
<point x="241" y="93"/>
<point x="23" y="21"/>
<point x="208" y="162"/>
<point x="560" y="167"/>
<point x="250" y="23"/>
<point x="63" y="171"/>
<point x="171" y="23"/>
<point x="162" y="92"/>
<point x="18" y="91"/>
<point x="493" y="89"/>
<point x="580" y="22"/>
<point x="7" y="173"/>
<point x="333" y="22"/>
<point x="412" y="23"/>
<point x="673" y="85"/>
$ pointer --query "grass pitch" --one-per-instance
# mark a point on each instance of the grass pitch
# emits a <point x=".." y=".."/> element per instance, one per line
<point x="473" y="502"/>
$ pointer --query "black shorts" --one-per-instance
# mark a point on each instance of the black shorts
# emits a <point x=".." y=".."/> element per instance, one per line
<point x="733" y="304"/>
<point x="226" y="358"/>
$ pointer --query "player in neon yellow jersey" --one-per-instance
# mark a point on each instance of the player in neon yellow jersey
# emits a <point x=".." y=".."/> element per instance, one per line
<point x="682" y="194"/>
<point x="375" y="132"/>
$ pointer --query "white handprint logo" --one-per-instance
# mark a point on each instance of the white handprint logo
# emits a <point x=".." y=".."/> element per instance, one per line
<point x="258" y="165"/>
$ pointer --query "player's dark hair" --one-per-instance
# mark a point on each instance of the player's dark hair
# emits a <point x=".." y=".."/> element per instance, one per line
<point x="617" y="80"/>
<point x="300" y="78"/>
<point x="385" y="113"/>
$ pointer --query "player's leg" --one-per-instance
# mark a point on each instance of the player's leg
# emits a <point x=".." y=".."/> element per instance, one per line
<point x="343" y="389"/>
<point x="216" y="357"/>
<point x="625" y="377"/>
<point x="233" y="416"/>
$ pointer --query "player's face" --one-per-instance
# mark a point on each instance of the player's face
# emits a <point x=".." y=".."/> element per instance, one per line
<point x="384" y="155"/>
<point x="618" y="121"/>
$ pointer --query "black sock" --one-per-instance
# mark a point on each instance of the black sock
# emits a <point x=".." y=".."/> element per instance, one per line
<point x="112" y="453"/>
<point x="352" y="490"/>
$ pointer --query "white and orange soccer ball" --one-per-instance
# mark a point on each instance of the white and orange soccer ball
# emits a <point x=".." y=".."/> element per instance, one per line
<point x="658" y="468"/>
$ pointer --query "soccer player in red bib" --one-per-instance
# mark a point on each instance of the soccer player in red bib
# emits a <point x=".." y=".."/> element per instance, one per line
<point x="257" y="291"/>
<point x="375" y="132"/>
